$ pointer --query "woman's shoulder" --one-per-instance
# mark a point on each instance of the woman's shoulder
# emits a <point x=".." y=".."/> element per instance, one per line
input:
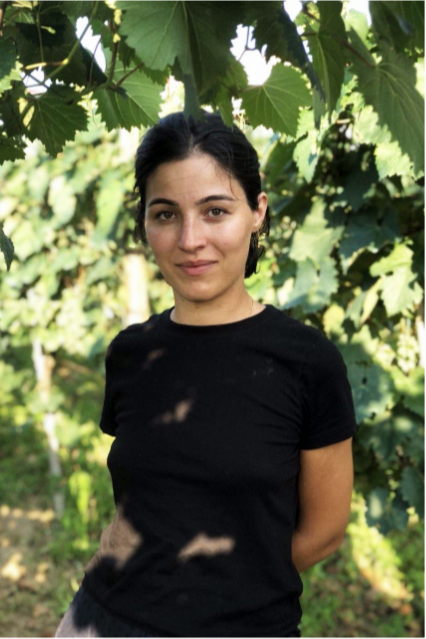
<point x="295" y="335"/>
<point x="293" y="325"/>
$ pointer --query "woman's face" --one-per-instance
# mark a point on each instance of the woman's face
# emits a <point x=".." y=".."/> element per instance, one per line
<point x="187" y="229"/>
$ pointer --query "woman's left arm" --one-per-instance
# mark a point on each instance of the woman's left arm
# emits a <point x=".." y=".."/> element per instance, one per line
<point x="325" y="485"/>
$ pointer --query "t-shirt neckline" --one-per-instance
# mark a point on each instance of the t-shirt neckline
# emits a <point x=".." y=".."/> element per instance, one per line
<point x="214" y="329"/>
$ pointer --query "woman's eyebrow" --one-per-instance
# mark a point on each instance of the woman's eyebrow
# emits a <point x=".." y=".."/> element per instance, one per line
<point x="163" y="200"/>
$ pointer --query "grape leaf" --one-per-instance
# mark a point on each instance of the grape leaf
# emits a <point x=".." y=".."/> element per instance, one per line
<point x="7" y="56"/>
<point x="306" y="279"/>
<point x="56" y="118"/>
<point x="276" y="103"/>
<point x="306" y="154"/>
<point x="10" y="149"/>
<point x="397" y="294"/>
<point x="197" y="33"/>
<point x="384" y="512"/>
<point x="390" y="160"/>
<point x="136" y="102"/>
<point x="401" y="24"/>
<point x="400" y="291"/>
<point x="279" y="161"/>
<point x="307" y="149"/>
<point x="387" y="26"/>
<point x="390" y="431"/>
<point x="373" y="388"/>
<point x="400" y="257"/>
<point x="6" y="245"/>
<point x="6" y="80"/>
<point x="363" y="233"/>
<point x="127" y="60"/>
<point x="315" y="238"/>
<point x="331" y="18"/>
<point x="357" y="21"/>
<point x="107" y="44"/>
<point x="230" y="85"/>
<point x="367" y="129"/>
<point x="9" y="111"/>
<point x="9" y="65"/>
<point x="329" y="64"/>
<point x="58" y="43"/>
<point x="326" y="51"/>
<point x="420" y="74"/>
<point x="274" y="28"/>
<point x="412" y="386"/>
<point x="80" y="8"/>
<point x="413" y="489"/>
<point x="311" y="290"/>
<point x="112" y="190"/>
<point x="358" y="180"/>
<point x="389" y="86"/>
<point x="412" y="12"/>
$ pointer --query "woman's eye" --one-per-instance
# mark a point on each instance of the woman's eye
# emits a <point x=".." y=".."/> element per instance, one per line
<point x="221" y="210"/>
<point x="162" y="213"/>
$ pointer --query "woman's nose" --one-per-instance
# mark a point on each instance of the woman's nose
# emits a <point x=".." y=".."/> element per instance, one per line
<point x="191" y="234"/>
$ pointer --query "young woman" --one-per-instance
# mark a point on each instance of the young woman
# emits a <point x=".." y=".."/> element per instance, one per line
<point x="232" y="421"/>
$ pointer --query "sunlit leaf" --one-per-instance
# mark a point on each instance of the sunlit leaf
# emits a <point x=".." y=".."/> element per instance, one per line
<point x="56" y="118"/>
<point x="276" y="103"/>
<point x="389" y="86"/>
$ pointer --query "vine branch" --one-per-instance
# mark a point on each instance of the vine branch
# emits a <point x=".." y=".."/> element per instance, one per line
<point x="114" y="54"/>
<point x="93" y="60"/>
<point x="341" y="42"/>
<point x="36" y="65"/>
<point x="246" y="46"/>
<point x="2" y="12"/>
<point x="121" y="80"/>
<point x="39" y="34"/>
<point x="60" y="64"/>
<point x="76" y="45"/>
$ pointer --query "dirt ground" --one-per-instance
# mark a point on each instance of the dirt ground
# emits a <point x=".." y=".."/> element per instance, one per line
<point x="28" y="579"/>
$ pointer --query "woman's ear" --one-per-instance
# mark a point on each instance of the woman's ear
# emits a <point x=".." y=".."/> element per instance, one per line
<point x="262" y="205"/>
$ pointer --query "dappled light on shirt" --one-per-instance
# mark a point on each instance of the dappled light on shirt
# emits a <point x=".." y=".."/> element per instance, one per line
<point x="204" y="545"/>
<point x="178" y="415"/>
<point x="152" y="356"/>
<point x="119" y="540"/>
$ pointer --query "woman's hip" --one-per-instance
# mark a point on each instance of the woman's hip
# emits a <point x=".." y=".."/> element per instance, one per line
<point x="85" y="617"/>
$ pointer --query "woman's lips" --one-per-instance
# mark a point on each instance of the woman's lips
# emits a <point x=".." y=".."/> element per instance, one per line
<point x="197" y="270"/>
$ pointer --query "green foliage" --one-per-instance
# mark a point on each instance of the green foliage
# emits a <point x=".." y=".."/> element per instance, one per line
<point x="197" y="34"/>
<point x="7" y="59"/>
<point x="133" y="103"/>
<point x="275" y="103"/>
<point x="400" y="24"/>
<point x="274" y="28"/>
<point x="325" y="44"/>
<point x="145" y="42"/>
<point x="392" y="81"/>
<point x="54" y="115"/>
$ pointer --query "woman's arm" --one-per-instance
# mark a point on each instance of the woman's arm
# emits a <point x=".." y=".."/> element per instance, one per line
<point x="325" y="485"/>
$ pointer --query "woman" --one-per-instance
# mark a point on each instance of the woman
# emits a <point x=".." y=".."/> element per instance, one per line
<point x="232" y="422"/>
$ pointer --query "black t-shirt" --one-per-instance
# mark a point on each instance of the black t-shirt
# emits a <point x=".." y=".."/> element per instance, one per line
<point x="208" y="424"/>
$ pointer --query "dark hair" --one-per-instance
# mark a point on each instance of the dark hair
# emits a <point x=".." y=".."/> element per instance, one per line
<point x="176" y="137"/>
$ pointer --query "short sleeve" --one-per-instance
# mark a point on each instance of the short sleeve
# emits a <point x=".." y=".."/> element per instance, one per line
<point x="327" y="402"/>
<point x="107" y="422"/>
